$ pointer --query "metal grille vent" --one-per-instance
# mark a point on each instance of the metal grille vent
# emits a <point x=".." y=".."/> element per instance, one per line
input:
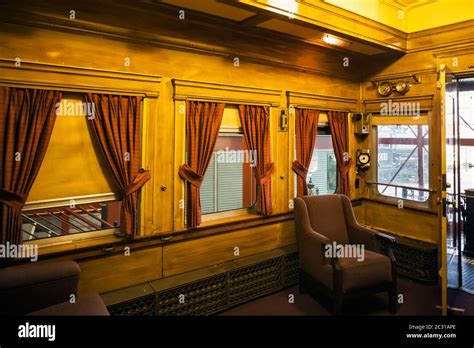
<point x="290" y="273"/>
<point x="203" y="297"/>
<point x="141" y="306"/>
<point x="254" y="281"/>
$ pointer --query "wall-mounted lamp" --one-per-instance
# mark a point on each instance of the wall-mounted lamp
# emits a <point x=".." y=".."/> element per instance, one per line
<point x="283" y="121"/>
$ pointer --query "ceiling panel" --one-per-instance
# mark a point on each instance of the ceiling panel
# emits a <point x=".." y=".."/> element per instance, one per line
<point x="212" y="7"/>
<point x="314" y="36"/>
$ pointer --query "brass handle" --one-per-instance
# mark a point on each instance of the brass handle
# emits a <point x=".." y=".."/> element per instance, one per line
<point x="166" y="239"/>
<point x="108" y="250"/>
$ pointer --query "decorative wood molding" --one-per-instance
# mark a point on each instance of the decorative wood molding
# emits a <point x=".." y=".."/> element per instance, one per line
<point x="50" y="19"/>
<point x="426" y="102"/>
<point x="444" y="37"/>
<point x="322" y="102"/>
<point x="77" y="79"/>
<point x="334" y="19"/>
<point x="219" y="92"/>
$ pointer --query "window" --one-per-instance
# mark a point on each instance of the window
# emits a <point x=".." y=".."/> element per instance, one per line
<point x="403" y="161"/>
<point x="322" y="172"/>
<point x="73" y="191"/>
<point x="66" y="220"/>
<point x="229" y="182"/>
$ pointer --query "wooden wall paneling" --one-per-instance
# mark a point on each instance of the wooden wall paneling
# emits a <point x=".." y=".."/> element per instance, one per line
<point x="161" y="139"/>
<point x="203" y="252"/>
<point x="117" y="271"/>
<point x="419" y="225"/>
<point x="147" y="215"/>
<point x="179" y="186"/>
<point x="287" y="233"/>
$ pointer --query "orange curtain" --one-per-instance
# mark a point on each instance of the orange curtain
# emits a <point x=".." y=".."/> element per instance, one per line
<point x="203" y="121"/>
<point x="117" y="126"/>
<point x="255" y="122"/>
<point x="26" y="122"/>
<point x="339" y="135"/>
<point x="306" y="131"/>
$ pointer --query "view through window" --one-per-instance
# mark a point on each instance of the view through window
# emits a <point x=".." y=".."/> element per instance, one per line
<point x="322" y="172"/>
<point x="403" y="161"/>
<point x="229" y="182"/>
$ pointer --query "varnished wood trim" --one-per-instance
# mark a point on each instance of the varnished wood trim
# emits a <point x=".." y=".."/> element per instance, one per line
<point x="405" y="206"/>
<point x="114" y="245"/>
<point x="80" y="79"/>
<point x="55" y="22"/>
<point x="321" y="102"/>
<point x="325" y="16"/>
<point x="426" y="102"/>
<point x="212" y="91"/>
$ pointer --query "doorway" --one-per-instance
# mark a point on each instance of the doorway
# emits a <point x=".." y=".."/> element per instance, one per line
<point x="460" y="183"/>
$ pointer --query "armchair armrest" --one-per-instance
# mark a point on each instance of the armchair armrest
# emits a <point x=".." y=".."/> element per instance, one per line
<point x="385" y="237"/>
<point x="388" y="241"/>
<point x="27" y="288"/>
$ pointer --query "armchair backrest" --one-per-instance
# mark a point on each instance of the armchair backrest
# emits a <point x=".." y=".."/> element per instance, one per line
<point x="327" y="216"/>
<point x="30" y="287"/>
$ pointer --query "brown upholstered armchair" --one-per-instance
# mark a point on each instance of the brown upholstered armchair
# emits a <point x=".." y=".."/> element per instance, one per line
<point x="45" y="289"/>
<point x="322" y="221"/>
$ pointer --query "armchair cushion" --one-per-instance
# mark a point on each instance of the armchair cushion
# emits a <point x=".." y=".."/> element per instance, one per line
<point x="374" y="270"/>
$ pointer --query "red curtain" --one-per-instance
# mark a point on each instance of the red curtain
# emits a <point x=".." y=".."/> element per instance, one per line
<point x="117" y="126"/>
<point x="339" y="135"/>
<point x="26" y="122"/>
<point x="306" y="131"/>
<point x="203" y="121"/>
<point x="255" y="122"/>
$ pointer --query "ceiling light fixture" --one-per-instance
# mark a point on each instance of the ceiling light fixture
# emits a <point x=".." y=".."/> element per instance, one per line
<point x="331" y="40"/>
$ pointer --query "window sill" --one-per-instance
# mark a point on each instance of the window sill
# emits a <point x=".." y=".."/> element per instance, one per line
<point x="227" y="219"/>
<point x="74" y="242"/>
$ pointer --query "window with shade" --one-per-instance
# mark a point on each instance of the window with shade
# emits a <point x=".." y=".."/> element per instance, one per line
<point x="73" y="192"/>
<point x="229" y="183"/>
<point x="322" y="172"/>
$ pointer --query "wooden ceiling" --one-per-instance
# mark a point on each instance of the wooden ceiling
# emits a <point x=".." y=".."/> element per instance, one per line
<point x="254" y="17"/>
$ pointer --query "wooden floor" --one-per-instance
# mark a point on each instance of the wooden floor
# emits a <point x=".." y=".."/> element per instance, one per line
<point x="467" y="272"/>
<point x="419" y="299"/>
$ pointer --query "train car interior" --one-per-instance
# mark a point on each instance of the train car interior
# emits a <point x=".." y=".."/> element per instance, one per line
<point x="237" y="158"/>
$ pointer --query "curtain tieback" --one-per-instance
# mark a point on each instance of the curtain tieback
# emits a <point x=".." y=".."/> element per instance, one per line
<point x="188" y="174"/>
<point x="262" y="179"/>
<point x="346" y="167"/>
<point x="140" y="179"/>
<point x="12" y="199"/>
<point x="300" y="169"/>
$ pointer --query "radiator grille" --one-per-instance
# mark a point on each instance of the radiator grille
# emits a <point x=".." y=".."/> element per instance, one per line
<point x="203" y="297"/>
<point x="218" y="292"/>
<point x="140" y="307"/>
<point x="254" y="281"/>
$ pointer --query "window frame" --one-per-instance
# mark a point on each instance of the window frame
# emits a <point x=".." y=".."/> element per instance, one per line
<point x="205" y="218"/>
<point x="408" y="120"/>
<point x="323" y="125"/>
<point x="87" y="199"/>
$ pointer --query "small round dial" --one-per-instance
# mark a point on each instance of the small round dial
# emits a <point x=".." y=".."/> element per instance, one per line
<point x="385" y="89"/>
<point x="402" y="87"/>
<point x="364" y="158"/>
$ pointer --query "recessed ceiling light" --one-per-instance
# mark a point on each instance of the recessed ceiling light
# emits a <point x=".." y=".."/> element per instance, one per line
<point x="331" y="40"/>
